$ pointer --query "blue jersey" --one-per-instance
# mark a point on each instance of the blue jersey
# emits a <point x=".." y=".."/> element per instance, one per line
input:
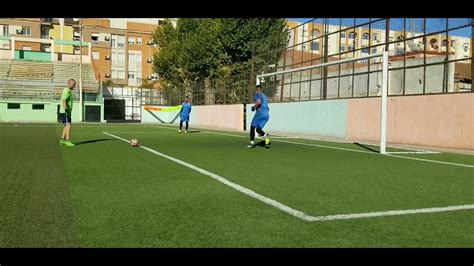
<point x="263" y="102"/>
<point x="185" y="109"/>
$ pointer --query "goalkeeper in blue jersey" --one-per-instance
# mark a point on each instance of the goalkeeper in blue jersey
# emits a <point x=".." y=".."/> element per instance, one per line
<point x="184" y="115"/>
<point x="260" y="119"/>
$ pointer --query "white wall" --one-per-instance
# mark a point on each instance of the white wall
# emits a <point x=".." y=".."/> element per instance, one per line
<point x="209" y="116"/>
<point x="6" y="54"/>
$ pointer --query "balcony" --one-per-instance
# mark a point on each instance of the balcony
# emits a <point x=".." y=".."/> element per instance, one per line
<point x="71" y="21"/>
<point x="50" y="21"/>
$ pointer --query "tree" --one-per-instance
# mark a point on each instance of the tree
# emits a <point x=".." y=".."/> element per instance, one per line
<point x="217" y="49"/>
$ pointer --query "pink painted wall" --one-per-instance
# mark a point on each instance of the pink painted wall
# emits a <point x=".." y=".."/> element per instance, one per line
<point x="429" y="120"/>
<point x="219" y="116"/>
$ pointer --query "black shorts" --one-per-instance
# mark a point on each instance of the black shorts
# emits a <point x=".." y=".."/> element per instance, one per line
<point x="65" y="118"/>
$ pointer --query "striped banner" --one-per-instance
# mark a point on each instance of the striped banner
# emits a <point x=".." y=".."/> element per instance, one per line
<point x="162" y="109"/>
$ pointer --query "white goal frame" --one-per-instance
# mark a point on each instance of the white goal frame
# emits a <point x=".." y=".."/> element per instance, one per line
<point x="384" y="91"/>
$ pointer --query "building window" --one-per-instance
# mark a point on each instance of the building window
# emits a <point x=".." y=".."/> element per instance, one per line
<point x="121" y="42"/>
<point x="118" y="41"/>
<point x="95" y="38"/>
<point x="46" y="48"/>
<point x="121" y="74"/>
<point x="77" y="35"/>
<point x="131" y="40"/>
<point x="77" y="50"/>
<point x="304" y="35"/>
<point x="13" y="106"/>
<point x="365" y="49"/>
<point x="315" y="33"/>
<point x="453" y="43"/>
<point x="352" y="35"/>
<point x="96" y="55"/>
<point x="342" y="48"/>
<point x="134" y="68"/>
<point x="26" y="31"/>
<point x="374" y="50"/>
<point x="44" y="33"/>
<point x="343" y="34"/>
<point x="466" y="47"/>
<point x="376" y="36"/>
<point x="5" y="30"/>
<point x="350" y="48"/>
<point x="139" y="40"/>
<point x="118" y="64"/>
<point x="315" y="46"/>
<point x="399" y="51"/>
<point x="434" y="43"/>
<point x="444" y="43"/>
<point x="366" y="36"/>
<point x="37" y="106"/>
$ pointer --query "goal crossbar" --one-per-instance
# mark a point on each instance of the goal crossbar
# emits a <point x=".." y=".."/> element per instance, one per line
<point x="384" y="92"/>
<point x="342" y="61"/>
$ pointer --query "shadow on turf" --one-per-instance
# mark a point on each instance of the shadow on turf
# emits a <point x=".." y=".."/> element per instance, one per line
<point x="365" y="147"/>
<point x="92" y="141"/>
<point x="262" y="144"/>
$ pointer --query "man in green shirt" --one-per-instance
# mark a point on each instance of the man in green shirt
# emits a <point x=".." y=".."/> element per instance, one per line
<point x="65" y="112"/>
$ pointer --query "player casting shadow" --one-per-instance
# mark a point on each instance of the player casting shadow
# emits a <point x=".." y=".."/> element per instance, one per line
<point x="193" y="131"/>
<point x="92" y="141"/>
<point x="365" y="147"/>
<point x="262" y="144"/>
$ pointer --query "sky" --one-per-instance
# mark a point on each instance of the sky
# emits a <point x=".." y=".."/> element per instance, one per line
<point x="433" y="24"/>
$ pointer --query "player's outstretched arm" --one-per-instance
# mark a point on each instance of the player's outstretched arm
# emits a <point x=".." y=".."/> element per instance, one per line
<point x="258" y="103"/>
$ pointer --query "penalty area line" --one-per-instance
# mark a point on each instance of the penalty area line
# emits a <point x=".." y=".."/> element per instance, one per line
<point x="293" y="212"/>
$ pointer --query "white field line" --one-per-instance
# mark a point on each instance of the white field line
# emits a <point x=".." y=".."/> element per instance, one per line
<point x="292" y="142"/>
<point x="389" y="213"/>
<point x="337" y="148"/>
<point x="293" y="212"/>
<point x="431" y="161"/>
<point x="413" y="152"/>
<point x="244" y="190"/>
<point x="295" y="137"/>
<point x="297" y="143"/>
<point x="140" y="132"/>
<point x="60" y="125"/>
<point x="277" y="137"/>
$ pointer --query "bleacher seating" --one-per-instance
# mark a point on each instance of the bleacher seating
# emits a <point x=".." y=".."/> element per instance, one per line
<point x="4" y="68"/>
<point x="42" y="80"/>
<point x="27" y="70"/>
<point x="65" y="71"/>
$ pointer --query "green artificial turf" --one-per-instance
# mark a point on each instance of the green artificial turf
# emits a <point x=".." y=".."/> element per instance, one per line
<point x="104" y="193"/>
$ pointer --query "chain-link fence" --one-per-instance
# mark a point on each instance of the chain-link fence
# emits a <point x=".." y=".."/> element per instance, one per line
<point x="427" y="56"/>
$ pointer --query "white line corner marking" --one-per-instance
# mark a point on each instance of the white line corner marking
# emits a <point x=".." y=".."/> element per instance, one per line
<point x="296" y="213"/>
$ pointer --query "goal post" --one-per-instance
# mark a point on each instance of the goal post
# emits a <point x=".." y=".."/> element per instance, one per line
<point x="383" y="92"/>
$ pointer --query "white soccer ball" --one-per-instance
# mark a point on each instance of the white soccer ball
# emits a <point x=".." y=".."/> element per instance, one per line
<point x="134" y="142"/>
